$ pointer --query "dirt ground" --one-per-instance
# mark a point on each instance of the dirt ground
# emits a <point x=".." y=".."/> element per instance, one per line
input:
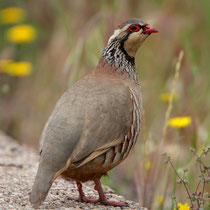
<point x="18" y="165"/>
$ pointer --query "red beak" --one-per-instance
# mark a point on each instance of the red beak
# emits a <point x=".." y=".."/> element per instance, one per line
<point x="150" y="29"/>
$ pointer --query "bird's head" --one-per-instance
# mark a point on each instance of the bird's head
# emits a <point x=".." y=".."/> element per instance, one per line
<point x="123" y="44"/>
<point x="131" y="34"/>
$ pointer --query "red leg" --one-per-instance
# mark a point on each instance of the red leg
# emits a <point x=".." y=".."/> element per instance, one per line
<point x="82" y="197"/>
<point x="81" y="193"/>
<point x="102" y="196"/>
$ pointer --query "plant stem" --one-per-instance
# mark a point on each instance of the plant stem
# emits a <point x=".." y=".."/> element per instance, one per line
<point x="186" y="187"/>
<point x="170" y="105"/>
<point x="197" y="187"/>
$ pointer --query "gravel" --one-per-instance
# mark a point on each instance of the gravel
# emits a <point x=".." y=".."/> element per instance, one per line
<point x="18" y="165"/>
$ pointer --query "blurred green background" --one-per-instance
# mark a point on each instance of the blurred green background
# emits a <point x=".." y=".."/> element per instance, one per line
<point x="46" y="46"/>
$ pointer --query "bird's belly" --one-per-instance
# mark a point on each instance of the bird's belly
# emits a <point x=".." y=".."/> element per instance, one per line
<point x="101" y="164"/>
<point x="95" y="168"/>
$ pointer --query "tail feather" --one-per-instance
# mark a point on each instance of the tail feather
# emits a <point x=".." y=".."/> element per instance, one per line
<point x="41" y="186"/>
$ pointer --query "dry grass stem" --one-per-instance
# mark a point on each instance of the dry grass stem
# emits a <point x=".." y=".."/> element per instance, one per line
<point x="173" y="89"/>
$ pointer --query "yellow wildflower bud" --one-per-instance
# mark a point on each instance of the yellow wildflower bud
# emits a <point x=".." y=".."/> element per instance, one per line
<point x="12" y="15"/>
<point x="21" y="34"/>
<point x="183" y="207"/>
<point x="21" y="68"/>
<point x="180" y="122"/>
<point x="166" y="97"/>
<point x="147" y="165"/>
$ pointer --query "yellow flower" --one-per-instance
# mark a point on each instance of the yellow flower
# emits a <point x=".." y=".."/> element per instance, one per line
<point x="21" y="34"/>
<point x="166" y="97"/>
<point x="12" y="15"/>
<point x="21" y="68"/>
<point x="183" y="207"/>
<point x="180" y="122"/>
<point x="160" y="199"/>
<point x="147" y="165"/>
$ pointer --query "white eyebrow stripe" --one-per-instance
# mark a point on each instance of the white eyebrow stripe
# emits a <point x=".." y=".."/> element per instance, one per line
<point x="117" y="32"/>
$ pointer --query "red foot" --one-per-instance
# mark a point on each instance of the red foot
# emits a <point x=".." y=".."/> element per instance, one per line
<point x="102" y="197"/>
<point x="82" y="199"/>
<point x="104" y="202"/>
<point x="114" y="203"/>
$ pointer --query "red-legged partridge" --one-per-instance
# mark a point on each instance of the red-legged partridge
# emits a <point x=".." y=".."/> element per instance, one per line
<point x="95" y="123"/>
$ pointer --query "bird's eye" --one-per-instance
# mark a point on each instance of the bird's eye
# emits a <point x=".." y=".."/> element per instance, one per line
<point x="134" y="28"/>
